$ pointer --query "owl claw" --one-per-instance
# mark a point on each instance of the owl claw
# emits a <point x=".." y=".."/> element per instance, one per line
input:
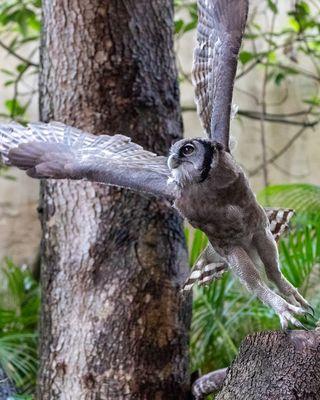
<point x="307" y="314"/>
<point x="286" y="317"/>
<point x="312" y="311"/>
<point x="297" y="300"/>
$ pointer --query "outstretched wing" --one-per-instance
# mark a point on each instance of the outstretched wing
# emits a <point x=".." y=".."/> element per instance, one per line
<point x="59" y="151"/>
<point x="219" y="34"/>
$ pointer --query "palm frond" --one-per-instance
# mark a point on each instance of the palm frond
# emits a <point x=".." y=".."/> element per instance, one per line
<point x="303" y="197"/>
<point x="19" y="307"/>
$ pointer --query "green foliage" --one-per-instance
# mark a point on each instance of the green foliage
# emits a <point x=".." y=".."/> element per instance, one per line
<point x="19" y="307"/>
<point x="20" y="25"/>
<point x="186" y="24"/>
<point x="224" y="312"/>
<point x="302" y="197"/>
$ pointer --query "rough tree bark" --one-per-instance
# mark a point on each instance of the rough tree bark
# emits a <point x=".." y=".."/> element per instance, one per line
<point x="275" y="366"/>
<point x="113" y="324"/>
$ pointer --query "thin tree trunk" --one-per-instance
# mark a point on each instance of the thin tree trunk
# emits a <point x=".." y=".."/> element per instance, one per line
<point x="113" y="324"/>
<point x="275" y="366"/>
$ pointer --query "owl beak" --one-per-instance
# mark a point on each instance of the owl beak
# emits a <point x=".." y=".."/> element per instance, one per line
<point x="173" y="162"/>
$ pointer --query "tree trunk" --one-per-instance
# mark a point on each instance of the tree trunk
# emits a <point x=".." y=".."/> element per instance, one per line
<point x="275" y="366"/>
<point x="113" y="324"/>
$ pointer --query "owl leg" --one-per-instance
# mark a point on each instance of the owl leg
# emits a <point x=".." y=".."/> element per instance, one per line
<point x="208" y="267"/>
<point x="241" y="264"/>
<point x="268" y="252"/>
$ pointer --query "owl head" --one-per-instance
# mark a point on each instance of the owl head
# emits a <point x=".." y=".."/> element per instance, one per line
<point x="191" y="160"/>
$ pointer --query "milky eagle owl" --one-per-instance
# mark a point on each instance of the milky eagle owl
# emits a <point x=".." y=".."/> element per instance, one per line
<point x="200" y="177"/>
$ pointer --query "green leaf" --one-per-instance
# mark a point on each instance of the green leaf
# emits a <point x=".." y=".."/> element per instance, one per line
<point x="303" y="8"/>
<point x="9" y="83"/>
<point x="178" y="25"/>
<point x="294" y="24"/>
<point x="279" y="78"/>
<point x="14" y="108"/>
<point x="273" y="7"/>
<point x="7" y="72"/>
<point x="272" y="57"/>
<point x="245" y="57"/>
<point x="22" y="67"/>
<point x="314" y="101"/>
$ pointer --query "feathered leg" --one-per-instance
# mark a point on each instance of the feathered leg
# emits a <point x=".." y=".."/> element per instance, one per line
<point x="242" y="265"/>
<point x="268" y="252"/>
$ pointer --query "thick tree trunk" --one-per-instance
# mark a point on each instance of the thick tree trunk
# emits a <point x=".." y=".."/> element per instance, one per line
<point x="275" y="366"/>
<point x="113" y="324"/>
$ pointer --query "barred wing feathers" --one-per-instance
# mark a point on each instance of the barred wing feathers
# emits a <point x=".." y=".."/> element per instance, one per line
<point x="59" y="151"/>
<point x="219" y="34"/>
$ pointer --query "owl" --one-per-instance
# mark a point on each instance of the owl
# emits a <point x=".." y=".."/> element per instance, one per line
<point x="199" y="177"/>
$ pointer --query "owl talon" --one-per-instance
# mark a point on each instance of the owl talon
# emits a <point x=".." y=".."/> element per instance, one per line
<point x="303" y="303"/>
<point x="312" y="311"/>
<point x="307" y="314"/>
<point x="286" y="317"/>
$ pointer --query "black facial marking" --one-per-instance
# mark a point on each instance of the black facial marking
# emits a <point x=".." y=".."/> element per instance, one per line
<point x="208" y="156"/>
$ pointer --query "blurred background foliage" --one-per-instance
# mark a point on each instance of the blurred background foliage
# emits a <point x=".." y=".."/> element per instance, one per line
<point x="224" y="312"/>
<point x="19" y="310"/>
<point x="20" y="25"/>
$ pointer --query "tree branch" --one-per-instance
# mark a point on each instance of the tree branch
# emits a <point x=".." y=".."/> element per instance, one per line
<point x="281" y="152"/>
<point x="13" y="53"/>
<point x="299" y="71"/>
<point x="276" y="118"/>
<point x="270" y="117"/>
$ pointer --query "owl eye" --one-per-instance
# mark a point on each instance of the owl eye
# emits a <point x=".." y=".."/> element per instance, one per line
<point x="187" y="150"/>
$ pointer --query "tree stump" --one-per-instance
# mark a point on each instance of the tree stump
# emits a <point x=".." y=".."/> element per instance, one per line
<point x="275" y="365"/>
